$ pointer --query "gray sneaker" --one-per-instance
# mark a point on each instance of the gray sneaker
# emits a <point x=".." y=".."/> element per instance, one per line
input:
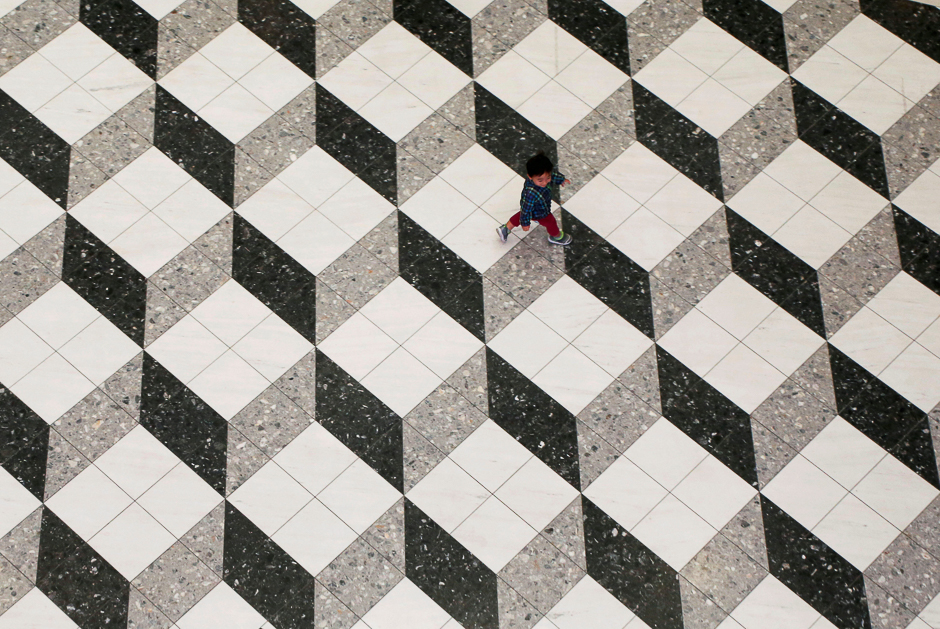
<point x="503" y="232"/>
<point x="564" y="240"/>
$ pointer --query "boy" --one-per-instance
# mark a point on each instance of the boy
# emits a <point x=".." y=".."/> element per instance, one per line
<point x="536" y="201"/>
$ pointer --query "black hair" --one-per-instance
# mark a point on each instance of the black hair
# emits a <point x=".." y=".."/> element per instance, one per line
<point x="538" y="164"/>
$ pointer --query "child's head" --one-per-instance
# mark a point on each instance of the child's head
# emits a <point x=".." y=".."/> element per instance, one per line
<point x="539" y="169"/>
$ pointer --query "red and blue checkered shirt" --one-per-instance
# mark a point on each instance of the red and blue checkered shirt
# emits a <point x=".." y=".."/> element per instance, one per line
<point x="536" y="202"/>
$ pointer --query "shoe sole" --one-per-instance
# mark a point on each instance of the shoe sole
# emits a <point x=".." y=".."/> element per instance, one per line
<point x="560" y="244"/>
<point x="502" y="238"/>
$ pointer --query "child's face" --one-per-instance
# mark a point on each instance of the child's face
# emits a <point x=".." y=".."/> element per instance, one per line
<point x="541" y="180"/>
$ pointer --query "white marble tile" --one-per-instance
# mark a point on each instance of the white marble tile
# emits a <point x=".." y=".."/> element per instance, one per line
<point x="772" y="605"/>
<point x="829" y="450"/>
<point x="270" y="498"/>
<point x="315" y="242"/>
<point x="394" y="49"/>
<point x="186" y="349"/>
<point x="315" y="176"/>
<point x="401" y="381"/>
<point x="274" y="209"/>
<point x="848" y="202"/>
<point x="745" y="378"/>
<point x="910" y="72"/>
<point x="671" y="77"/>
<point x="152" y="177"/>
<point x="442" y="345"/>
<point x="550" y="48"/>
<point x="573" y="393"/>
<point x="88" y="502"/>
<point x="448" y="494"/>
<point x="830" y="74"/>
<point x="395" y="111"/>
<point x="749" y="75"/>
<point x="132" y="541"/>
<point x="475" y="240"/>
<point x="714" y="492"/>
<point x="34" y="82"/>
<point x="72" y="113"/>
<point x="591" y="78"/>
<point x="16" y="502"/>
<point x="612" y="343"/>
<point x="137" y="462"/>
<point x="736" y="306"/>
<point x="438" y="207"/>
<point x="406" y="607"/>
<point x="58" y="315"/>
<point x="494" y="534"/>
<point x="554" y="109"/>
<point x="490" y="455"/>
<point x="76" y="51"/>
<point x="314" y="537"/>
<point x="148" y="244"/>
<point x="115" y="82"/>
<point x="856" y="532"/>
<point x="907" y="304"/>
<point x="356" y="208"/>
<point x="870" y="341"/>
<point x="674" y="532"/>
<point x="918" y="199"/>
<point x="895" y="492"/>
<point x="536" y="493"/>
<point x="230" y="312"/>
<point x="355" y="80"/>
<point x="52" y="388"/>
<point x="35" y="611"/>
<point x="698" y="342"/>
<point x="315" y="458"/>
<point x="359" y="496"/>
<point x="180" y="499"/>
<point x="567" y="308"/>
<point x="527" y="344"/>
<point x="272" y="347"/>
<point x="358" y="346"/>
<point x="221" y="608"/>
<point x="666" y="453"/>
<point x="601" y="205"/>
<point x="645" y="238"/>
<point x="276" y="81"/>
<point x="228" y="384"/>
<point x="400" y="310"/>
<point x="802" y="170"/>
<point x="196" y="81"/>
<point x="236" y="50"/>
<point x="713" y="107"/>
<point x="915" y="374"/>
<point x="875" y="105"/>
<point x="866" y="43"/>
<point x="625" y="493"/>
<point x="639" y="172"/>
<point x="478" y="175"/>
<point x="108" y="211"/>
<point x="683" y="204"/>
<point x="512" y="78"/>
<point x="235" y="113"/>
<point x="25" y="211"/>
<point x="434" y="80"/>
<point x="707" y="45"/>
<point x="804" y="492"/>
<point x="783" y="341"/>
<point x="588" y="604"/>
<point x="765" y="203"/>
<point x="192" y="210"/>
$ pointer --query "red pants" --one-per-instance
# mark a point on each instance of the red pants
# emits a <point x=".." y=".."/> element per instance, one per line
<point x="548" y="222"/>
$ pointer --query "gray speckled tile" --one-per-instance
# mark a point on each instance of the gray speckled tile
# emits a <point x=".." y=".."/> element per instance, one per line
<point x="566" y="533"/>
<point x="84" y="178"/>
<point x="736" y="171"/>
<point x="23" y="280"/>
<point x="419" y="456"/>
<point x="460" y="110"/>
<point x="272" y="419"/>
<point x="216" y="244"/>
<point x="880" y="236"/>
<point x="445" y="418"/>
<point x="815" y="376"/>
<point x="858" y="270"/>
<point x="139" y="113"/>
<point x="924" y="529"/>
<point x="21" y="545"/>
<point x="112" y="145"/>
<point x="486" y="48"/>
<point x="301" y="112"/>
<point x="436" y="143"/>
<point x="886" y="611"/>
<point x="595" y="455"/>
<point x="793" y="415"/>
<point x="499" y="309"/>
<point x="196" y="22"/>
<point x="5" y="316"/>
<point x="412" y="175"/>
<point x="470" y="381"/>
<point x="176" y="581"/>
<point x="357" y="276"/>
<point x="658" y="23"/>
<point x="360" y="576"/>
<point x="509" y="21"/>
<point x="514" y="612"/>
<point x="931" y="102"/>
<point x="821" y="19"/>
<point x="242" y="460"/>
<point x="382" y="241"/>
<point x="206" y="537"/>
<point x="275" y="144"/>
<point x="911" y="145"/>
<point x="771" y="453"/>
<point x="387" y="535"/>
<point x="353" y="22"/>
<point x="541" y="574"/>
<point x="332" y="311"/>
<point x="13" y="585"/>
<point x="299" y="384"/>
<point x="250" y="176"/>
<point x="746" y="531"/>
<point x="642" y="378"/>
<point x="690" y="272"/>
<point x="668" y="307"/>
<point x="578" y="171"/>
<point x="618" y="416"/>
<point x="189" y="278"/>
<point x="161" y="314"/>
<point x="13" y="50"/>
<point x="38" y="22"/>
<point x="523" y="273"/>
<point x="618" y="108"/>
<point x="329" y="612"/>
<point x="63" y="463"/>
<point x="597" y="140"/>
<point x="142" y="614"/>
<point x="94" y="424"/>
<point x="48" y="245"/>
<point x="907" y="572"/>
<point x="903" y="166"/>
<point x="760" y="136"/>
<point x="712" y="237"/>
<point x="172" y="50"/>
<point x="838" y="305"/>
<point x="124" y="386"/>
<point x="330" y="49"/>
<point x="698" y="611"/>
<point x="724" y="572"/>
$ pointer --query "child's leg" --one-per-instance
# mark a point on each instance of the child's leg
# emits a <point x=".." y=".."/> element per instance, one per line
<point x="514" y="221"/>
<point x="551" y="225"/>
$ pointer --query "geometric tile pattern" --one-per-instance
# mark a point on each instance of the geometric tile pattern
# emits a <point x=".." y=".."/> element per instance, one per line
<point x="264" y="363"/>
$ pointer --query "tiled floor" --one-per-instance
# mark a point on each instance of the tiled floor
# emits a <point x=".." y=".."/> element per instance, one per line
<point x="265" y="363"/>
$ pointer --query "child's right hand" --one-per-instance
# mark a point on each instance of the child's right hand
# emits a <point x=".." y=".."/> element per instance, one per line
<point x="525" y="228"/>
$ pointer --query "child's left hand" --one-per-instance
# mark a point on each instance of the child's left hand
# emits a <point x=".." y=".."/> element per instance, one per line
<point x="565" y="182"/>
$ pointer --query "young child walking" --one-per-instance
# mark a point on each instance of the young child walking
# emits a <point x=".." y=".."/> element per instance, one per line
<point x="536" y="202"/>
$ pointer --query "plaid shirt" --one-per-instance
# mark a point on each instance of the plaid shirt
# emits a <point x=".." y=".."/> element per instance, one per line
<point x="536" y="202"/>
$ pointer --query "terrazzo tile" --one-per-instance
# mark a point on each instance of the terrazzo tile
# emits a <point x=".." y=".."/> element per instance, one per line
<point x="460" y="110"/>
<point x="698" y="611"/>
<point x="13" y="585"/>
<point x="436" y="143"/>
<point x="189" y="278"/>
<point x="445" y="418"/>
<point x="419" y="456"/>
<point x="907" y="572"/>
<point x="859" y="271"/>
<point x="470" y="380"/>
<point x="597" y="140"/>
<point x="387" y="535"/>
<point x="197" y="22"/>
<point x="885" y="610"/>
<point x="736" y="170"/>
<point x="124" y="386"/>
<point x="642" y="379"/>
<point x="724" y="572"/>
<point x="575" y="169"/>
<point x="63" y="463"/>
<point x="838" y="305"/>
<point x="84" y="178"/>
<point x="668" y="307"/>
<point x="412" y="175"/>
<point x="216" y="244"/>
<point x="332" y="311"/>
<point x="911" y="146"/>
<point x="37" y="22"/>
<point x="21" y="545"/>
<point x="331" y="50"/>
<point x="499" y="309"/>
<point x="329" y="611"/>
<point x="172" y="50"/>
<point x="94" y="424"/>
<point x="382" y="241"/>
<point x="618" y="416"/>
<point x="595" y="455"/>
<point x="250" y="176"/>
<point x="793" y="415"/>
<point x="112" y="145"/>
<point x="817" y="21"/>
<point x="541" y="574"/>
<point x="301" y="112"/>
<point x="523" y="274"/>
<point x="923" y="530"/>
<point x="654" y="25"/>
<point x="242" y="460"/>
<point x="509" y="21"/>
<point x="47" y="246"/>
<point x="176" y="581"/>
<point x="353" y="22"/>
<point x="205" y="539"/>
<point x="360" y="577"/>
<point x="690" y="272"/>
<point x="273" y="419"/>
<point x="760" y="136"/>
<point x="13" y="50"/>
<point x="23" y="280"/>
<point x="566" y="533"/>
<point x="815" y="376"/>
<point x="357" y="276"/>
<point x="770" y="453"/>
<point x="746" y="531"/>
<point x="162" y="313"/>
<point x="487" y="48"/>
<point x="142" y="614"/>
<point x="275" y="144"/>
<point x="618" y="108"/>
<point x="139" y="113"/>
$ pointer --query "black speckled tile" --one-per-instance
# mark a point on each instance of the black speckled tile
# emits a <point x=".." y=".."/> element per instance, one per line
<point x="441" y="26"/>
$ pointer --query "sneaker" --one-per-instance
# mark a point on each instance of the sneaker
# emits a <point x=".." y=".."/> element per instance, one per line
<point x="563" y="239"/>
<point x="503" y="232"/>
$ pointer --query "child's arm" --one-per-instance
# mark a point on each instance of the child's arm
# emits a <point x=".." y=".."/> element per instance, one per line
<point x="559" y="180"/>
